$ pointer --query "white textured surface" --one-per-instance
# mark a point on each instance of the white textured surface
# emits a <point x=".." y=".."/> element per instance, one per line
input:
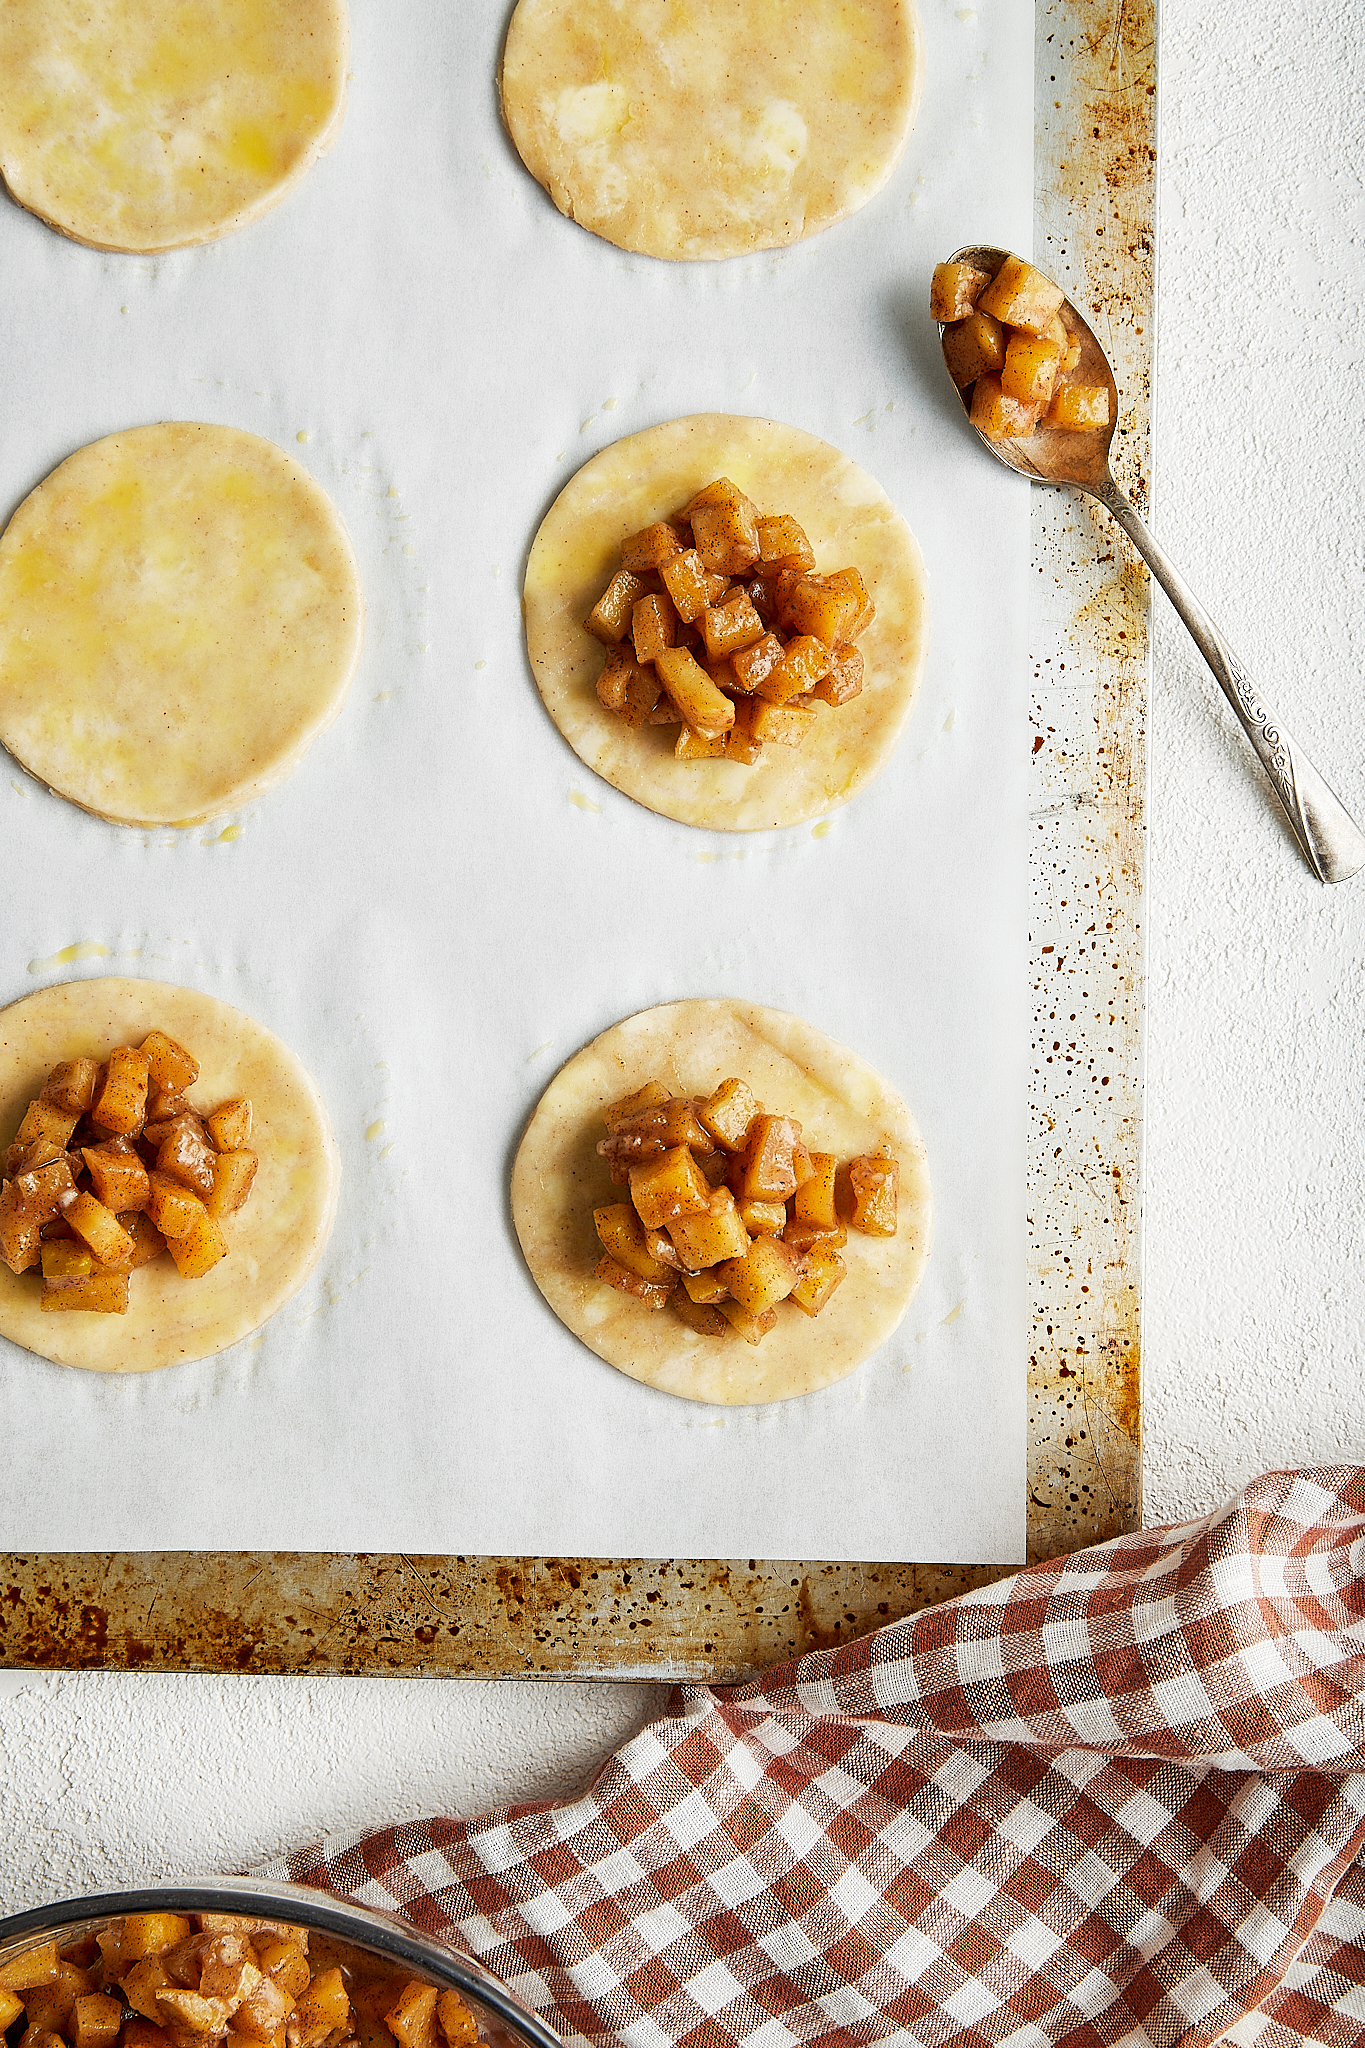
<point x="1256" y="1062"/>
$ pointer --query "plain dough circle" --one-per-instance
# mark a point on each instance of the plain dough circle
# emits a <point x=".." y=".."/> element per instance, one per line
<point x="180" y="615"/>
<point x="273" y="1243"/>
<point x="140" y="125"/>
<point x="850" y="522"/>
<point x="843" y="1106"/>
<point x="715" y="128"/>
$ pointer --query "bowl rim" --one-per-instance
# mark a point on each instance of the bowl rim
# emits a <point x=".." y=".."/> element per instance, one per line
<point x="381" y="1932"/>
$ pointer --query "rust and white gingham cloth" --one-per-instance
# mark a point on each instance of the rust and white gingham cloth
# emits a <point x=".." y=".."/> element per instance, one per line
<point x="1116" y="1799"/>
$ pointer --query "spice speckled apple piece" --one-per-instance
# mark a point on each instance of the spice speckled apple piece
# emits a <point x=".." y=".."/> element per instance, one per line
<point x="180" y="616"/>
<point x="849" y="521"/>
<point x="131" y="125"/>
<point x="273" y="1243"/>
<point x="711" y="129"/>
<point x="843" y="1106"/>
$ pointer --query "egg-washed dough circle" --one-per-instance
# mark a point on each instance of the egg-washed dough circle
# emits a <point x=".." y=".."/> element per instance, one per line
<point x="842" y="1105"/>
<point x="273" y="1243"/>
<point x="141" y="125"/>
<point x="713" y="128"/>
<point x="850" y="522"/>
<point x="180" y="615"/>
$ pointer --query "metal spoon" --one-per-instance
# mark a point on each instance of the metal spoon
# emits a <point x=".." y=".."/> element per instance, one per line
<point x="1332" y="844"/>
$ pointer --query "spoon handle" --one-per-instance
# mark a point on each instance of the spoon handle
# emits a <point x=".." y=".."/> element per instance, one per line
<point x="1333" y="845"/>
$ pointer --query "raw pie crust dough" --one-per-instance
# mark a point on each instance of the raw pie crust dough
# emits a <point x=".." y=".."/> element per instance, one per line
<point x="711" y="128"/>
<point x="843" y="1106"/>
<point x="273" y="1243"/>
<point x="141" y="125"/>
<point x="180" y="615"/>
<point x="849" y="521"/>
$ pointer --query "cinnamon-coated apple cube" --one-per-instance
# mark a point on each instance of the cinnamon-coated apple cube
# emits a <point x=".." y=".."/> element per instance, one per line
<point x="11" y="2005"/>
<point x="456" y="2021"/>
<point x="651" y="548"/>
<point x="49" y="2007"/>
<point x="805" y="660"/>
<point x="325" y="2007"/>
<point x="280" y="1956"/>
<point x="43" y="1120"/>
<point x="724" y="528"/>
<point x="147" y="2034"/>
<point x="821" y="1271"/>
<point x="233" y="1174"/>
<point x="172" y="1068"/>
<point x="973" y="346"/>
<point x="651" y="1130"/>
<point x="121" y="1104"/>
<point x="789" y="725"/>
<point x="705" y="1285"/>
<point x="812" y="1200"/>
<point x="641" y="695"/>
<point x="752" y="1328"/>
<point x="148" y="1243"/>
<point x="649" y="1097"/>
<point x="653" y="1293"/>
<point x="827" y="612"/>
<point x="874" y="1179"/>
<point x="101" y="1294"/>
<point x="1030" y="371"/>
<point x="699" y="1316"/>
<point x="184" y="1154"/>
<point x="614" y="680"/>
<point x="1078" y="407"/>
<point x="262" y="2013"/>
<point x="622" y="1235"/>
<point x="71" y="1085"/>
<point x="609" y="619"/>
<point x="67" y="1259"/>
<point x="764" y="1219"/>
<point x="668" y="1187"/>
<point x="703" y="707"/>
<point x="653" y="626"/>
<point x="700" y="746"/>
<point x="200" y="1247"/>
<point x="26" y="1203"/>
<point x="118" y="1173"/>
<point x="40" y="1965"/>
<point x="171" y="1206"/>
<point x="28" y="1158"/>
<point x="728" y="1112"/>
<point x="999" y="417"/>
<point x="765" y="1275"/>
<point x="851" y="580"/>
<point x="1071" y="354"/>
<point x="707" y="1237"/>
<point x="754" y="664"/>
<point x="845" y="679"/>
<point x="730" y="625"/>
<point x="98" y="1227"/>
<point x="229" y="1126"/>
<point x="801" y="1236"/>
<point x="96" y="2019"/>
<point x="1021" y="296"/>
<point x="955" y="289"/>
<point x="782" y="544"/>
<point x="769" y="1172"/>
<point x="686" y="581"/>
<point x="740" y="743"/>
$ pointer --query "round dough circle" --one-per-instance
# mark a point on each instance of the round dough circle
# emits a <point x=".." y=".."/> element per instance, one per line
<point x="137" y="125"/>
<point x="712" y="129"/>
<point x="273" y="1243"/>
<point x="180" y="616"/>
<point x="843" y="1106"/>
<point x="849" y="521"/>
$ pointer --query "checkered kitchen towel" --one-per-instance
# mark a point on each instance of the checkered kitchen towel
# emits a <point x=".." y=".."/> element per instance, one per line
<point x="1117" y="1799"/>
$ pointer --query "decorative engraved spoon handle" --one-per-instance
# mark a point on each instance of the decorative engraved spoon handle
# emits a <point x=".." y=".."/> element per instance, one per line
<point x="1333" y="845"/>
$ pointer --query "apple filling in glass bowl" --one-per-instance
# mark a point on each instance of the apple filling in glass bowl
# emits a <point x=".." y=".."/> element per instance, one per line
<point x="717" y="622"/>
<point x="730" y="1216"/>
<point x="111" y="1167"/>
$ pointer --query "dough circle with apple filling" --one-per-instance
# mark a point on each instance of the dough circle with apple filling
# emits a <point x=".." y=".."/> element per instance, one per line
<point x="132" y="125"/>
<point x="180" y="615"/>
<point x="713" y="129"/>
<point x="273" y="1242"/>
<point x="842" y="1105"/>
<point x="849" y="521"/>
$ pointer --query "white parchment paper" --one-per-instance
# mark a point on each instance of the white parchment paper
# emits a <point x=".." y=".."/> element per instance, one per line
<point x="441" y="905"/>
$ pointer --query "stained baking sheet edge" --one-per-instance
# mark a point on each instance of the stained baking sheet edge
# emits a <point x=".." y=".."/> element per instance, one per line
<point x="1095" y="223"/>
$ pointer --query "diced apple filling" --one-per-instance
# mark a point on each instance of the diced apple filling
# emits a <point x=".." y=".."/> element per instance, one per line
<point x="730" y="1214"/>
<point x="1010" y="351"/>
<point x="721" y="604"/>
<point x="111" y="1167"/>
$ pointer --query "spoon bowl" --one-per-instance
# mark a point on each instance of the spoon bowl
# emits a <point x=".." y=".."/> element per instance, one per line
<point x="1331" y="842"/>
